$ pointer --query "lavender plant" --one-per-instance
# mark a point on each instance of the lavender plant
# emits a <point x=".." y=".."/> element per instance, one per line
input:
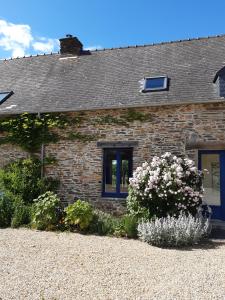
<point x="172" y="231"/>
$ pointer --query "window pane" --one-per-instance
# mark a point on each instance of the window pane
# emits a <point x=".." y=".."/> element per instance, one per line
<point x="125" y="169"/>
<point x="211" y="182"/>
<point x="154" y="83"/>
<point x="3" y="95"/>
<point x="110" y="171"/>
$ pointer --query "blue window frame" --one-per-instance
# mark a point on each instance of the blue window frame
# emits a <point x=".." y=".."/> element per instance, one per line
<point x="4" y="96"/>
<point x="158" y="83"/>
<point x="117" y="169"/>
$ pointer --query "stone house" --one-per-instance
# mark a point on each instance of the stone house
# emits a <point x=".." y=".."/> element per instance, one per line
<point x="136" y="102"/>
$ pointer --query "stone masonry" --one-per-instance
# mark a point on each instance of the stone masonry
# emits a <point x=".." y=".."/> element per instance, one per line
<point x="79" y="164"/>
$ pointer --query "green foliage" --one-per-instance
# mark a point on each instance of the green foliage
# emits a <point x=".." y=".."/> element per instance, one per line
<point x="103" y="223"/>
<point x="79" y="215"/>
<point x="129" y="226"/>
<point x="77" y="120"/>
<point x="106" y="224"/>
<point x="49" y="160"/>
<point x="129" y="116"/>
<point x="133" y="115"/>
<point x="6" y="210"/>
<point x="21" y="213"/>
<point x="108" y="119"/>
<point x="135" y="208"/>
<point x="29" y="131"/>
<point x="77" y="136"/>
<point x="47" y="212"/>
<point x="23" y="178"/>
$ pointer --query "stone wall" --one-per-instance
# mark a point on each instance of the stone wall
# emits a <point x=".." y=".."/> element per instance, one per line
<point x="79" y="164"/>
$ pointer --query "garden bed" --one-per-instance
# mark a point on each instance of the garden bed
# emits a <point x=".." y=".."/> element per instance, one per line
<point x="51" y="265"/>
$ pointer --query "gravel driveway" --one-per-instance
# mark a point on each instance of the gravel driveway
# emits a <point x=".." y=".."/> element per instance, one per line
<point x="49" y="265"/>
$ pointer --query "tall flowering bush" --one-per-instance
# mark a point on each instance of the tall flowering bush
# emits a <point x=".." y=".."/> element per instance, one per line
<point x="168" y="185"/>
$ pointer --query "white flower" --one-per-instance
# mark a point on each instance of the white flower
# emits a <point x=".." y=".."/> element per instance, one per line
<point x="167" y="176"/>
<point x="193" y="169"/>
<point x="167" y="154"/>
<point x="178" y="181"/>
<point x="179" y="175"/>
<point x="189" y="162"/>
<point x="179" y="169"/>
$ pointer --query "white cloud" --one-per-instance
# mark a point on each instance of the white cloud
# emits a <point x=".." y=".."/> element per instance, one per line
<point x="45" y="45"/>
<point x="91" y="48"/>
<point x="15" y="38"/>
<point x="18" y="39"/>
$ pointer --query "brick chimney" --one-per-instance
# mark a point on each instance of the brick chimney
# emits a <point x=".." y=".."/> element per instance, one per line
<point x="70" y="45"/>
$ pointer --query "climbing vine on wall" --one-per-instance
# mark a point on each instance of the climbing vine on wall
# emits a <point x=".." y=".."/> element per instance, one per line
<point x="132" y="115"/>
<point x="30" y="131"/>
<point x="124" y="119"/>
<point x="77" y="136"/>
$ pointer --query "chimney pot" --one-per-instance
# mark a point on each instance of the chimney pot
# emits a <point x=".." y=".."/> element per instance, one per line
<point x="70" y="45"/>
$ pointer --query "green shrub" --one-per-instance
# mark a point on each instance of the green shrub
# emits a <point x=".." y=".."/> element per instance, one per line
<point x="106" y="224"/>
<point x="6" y="210"/>
<point x="21" y="213"/>
<point x="23" y="178"/>
<point x="79" y="215"/>
<point x="47" y="212"/>
<point x="103" y="223"/>
<point x="126" y="226"/>
<point x="130" y="224"/>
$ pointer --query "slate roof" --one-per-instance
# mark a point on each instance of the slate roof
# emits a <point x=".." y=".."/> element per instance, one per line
<point x="110" y="78"/>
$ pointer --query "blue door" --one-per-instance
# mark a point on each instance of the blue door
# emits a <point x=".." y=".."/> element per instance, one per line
<point x="214" y="180"/>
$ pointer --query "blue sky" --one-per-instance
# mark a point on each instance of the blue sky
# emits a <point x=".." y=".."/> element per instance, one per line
<point x="30" y="27"/>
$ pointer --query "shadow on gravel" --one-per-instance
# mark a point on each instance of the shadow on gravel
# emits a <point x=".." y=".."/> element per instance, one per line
<point x="209" y="244"/>
<point x="215" y="241"/>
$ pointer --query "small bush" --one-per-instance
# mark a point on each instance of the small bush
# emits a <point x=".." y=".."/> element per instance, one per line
<point x="79" y="215"/>
<point x="174" y="232"/>
<point x="47" y="212"/>
<point x="130" y="226"/>
<point x="126" y="226"/>
<point x="23" y="178"/>
<point x="21" y="214"/>
<point x="103" y="223"/>
<point x="6" y="210"/>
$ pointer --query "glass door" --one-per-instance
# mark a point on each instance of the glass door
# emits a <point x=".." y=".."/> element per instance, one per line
<point x="214" y="181"/>
<point x="117" y="169"/>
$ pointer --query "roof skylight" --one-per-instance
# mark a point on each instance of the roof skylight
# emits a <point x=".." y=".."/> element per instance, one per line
<point x="4" y="96"/>
<point x="158" y="83"/>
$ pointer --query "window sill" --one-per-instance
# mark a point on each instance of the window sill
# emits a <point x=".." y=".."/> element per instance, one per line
<point x="105" y="198"/>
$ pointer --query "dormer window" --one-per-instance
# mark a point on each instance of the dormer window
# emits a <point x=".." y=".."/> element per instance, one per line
<point x="219" y="81"/>
<point x="4" y="96"/>
<point x="158" y="83"/>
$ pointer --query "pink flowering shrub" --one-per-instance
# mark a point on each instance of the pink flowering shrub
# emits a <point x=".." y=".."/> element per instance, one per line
<point x="168" y="185"/>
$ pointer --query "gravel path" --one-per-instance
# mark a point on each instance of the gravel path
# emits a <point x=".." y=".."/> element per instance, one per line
<point x="47" y="265"/>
